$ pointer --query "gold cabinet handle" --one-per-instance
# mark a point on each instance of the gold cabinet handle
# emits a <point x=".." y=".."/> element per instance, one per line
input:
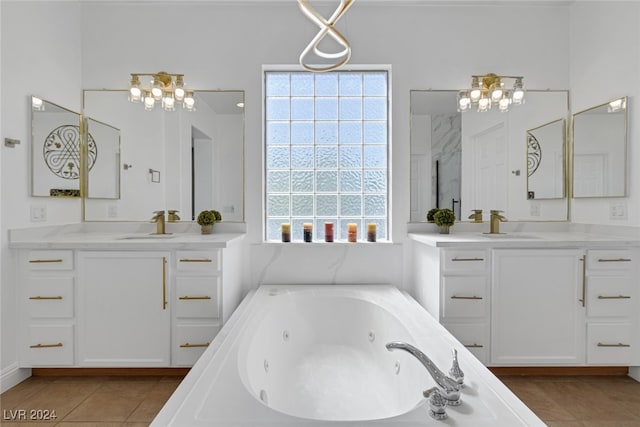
<point x="38" y="297"/>
<point x="196" y="260"/>
<point x="464" y="297"/>
<point x="584" y="281"/>
<point x="42" y="261"/>
<point x="189" y="298"/>
<point x="614" y="260"/>
<point x="466" y="259"/>
<point x="46" y="345"/>
<point x="614" y="297"/>
<point x="613" y="345"/>
<point x="189" y="345"/>
<point x="164" y="283"/>
<point x="474" y="345"/>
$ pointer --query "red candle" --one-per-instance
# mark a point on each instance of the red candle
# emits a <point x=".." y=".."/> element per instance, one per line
<point x="328" y="232"/>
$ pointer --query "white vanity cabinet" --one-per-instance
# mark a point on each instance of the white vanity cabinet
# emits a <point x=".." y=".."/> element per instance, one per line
<point x="46" y="308"/>
<point x="537" y="316"/>
<point x="197" y="311"/>
<point x="454" y="287"/>
<point x="611" y="292"/>
<point x="124" y="318"/>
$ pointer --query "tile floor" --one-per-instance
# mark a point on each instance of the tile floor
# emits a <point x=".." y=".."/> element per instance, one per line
<point x="561" y="401"/>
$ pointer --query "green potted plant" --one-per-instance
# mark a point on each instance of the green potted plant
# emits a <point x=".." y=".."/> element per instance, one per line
<point x="431" y="213"/>
<point x="444" y="219"/>
<point x="206" y="219"/>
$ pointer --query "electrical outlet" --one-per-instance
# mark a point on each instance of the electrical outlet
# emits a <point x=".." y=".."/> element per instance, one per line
<point x="534" y="209"/>
<point x="618" y="210"/>
<point x="38" y="213"/>
<point x="112" y="211"/>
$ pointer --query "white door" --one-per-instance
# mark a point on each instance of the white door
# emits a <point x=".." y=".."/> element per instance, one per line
<point x="537" y="316"/>
<point x="123" y="313"/>
<point x="490" y="169"/>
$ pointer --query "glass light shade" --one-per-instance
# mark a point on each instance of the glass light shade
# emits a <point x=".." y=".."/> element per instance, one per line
<point x="476" y="93"/>
<point x="517" y="97"/>
<point x="168" y="102"/>
<point x="484" y="104"/>
<point x="496" y="92"/>
<point x="149" y="102"/>
<point x="464" y="101"/>
<point x="617" y="105"/>
<point x="135" y="94"/>
<point x="503" y="104"/>
<point x="37" y="104"/>
<point x="178" y="91"/>
<point x="156" y="90"/>
<point x="189" y="102"/>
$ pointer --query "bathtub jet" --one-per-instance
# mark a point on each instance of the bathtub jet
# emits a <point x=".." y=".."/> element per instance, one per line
<point x="448" y="387"/>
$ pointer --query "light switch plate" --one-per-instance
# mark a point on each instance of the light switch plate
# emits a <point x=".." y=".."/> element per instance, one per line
<point x="38" y="213"/>
<point x="618" y="210"/>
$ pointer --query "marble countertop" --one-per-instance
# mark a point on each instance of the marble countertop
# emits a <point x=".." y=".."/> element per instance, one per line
<point x="122" y="236"/>
<point x="534" y="239"/>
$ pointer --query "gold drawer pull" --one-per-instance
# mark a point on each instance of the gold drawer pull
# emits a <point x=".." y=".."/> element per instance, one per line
<point x="46" y="345"/>
<point x="614" y="260"/>
<point x="196" y="260"/>
<point x="613" y="345"/>
<point x="188" y="345"/>
<point x="38" y="297"/>
<point x="467" y="259"/>
<point x="463" y="297"/>
<point x="42" y="261"/>
<point x="188" y="298"/>
<point x="474" y="345"/>
<point x="614" y="297"/>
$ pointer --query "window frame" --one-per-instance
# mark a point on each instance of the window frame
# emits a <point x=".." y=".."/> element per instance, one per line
<point x="388" y="193"/>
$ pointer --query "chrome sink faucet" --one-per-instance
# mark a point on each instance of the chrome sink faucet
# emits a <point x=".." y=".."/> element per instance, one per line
<point x="158" y="218"/>
<point x="496" y="219"/>
<point x="448" y="387"/>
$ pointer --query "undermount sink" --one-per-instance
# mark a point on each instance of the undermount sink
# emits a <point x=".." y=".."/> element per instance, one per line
<point x="508" y="236"/>
<point x="148" y="237"/>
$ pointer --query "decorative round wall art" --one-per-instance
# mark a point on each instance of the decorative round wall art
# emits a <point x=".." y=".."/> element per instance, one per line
<point x="534" y="154"/>
<point x="61" y="151"/>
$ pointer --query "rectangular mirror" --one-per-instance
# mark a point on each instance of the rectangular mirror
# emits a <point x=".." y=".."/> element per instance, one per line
<point x="600" y="151"/>
<point x="546" y="150"/>
<point x="102" y="160"/>
<point x="55" y="150"/>
<point x="473" y="160"/>
<point x="180" y="160"/>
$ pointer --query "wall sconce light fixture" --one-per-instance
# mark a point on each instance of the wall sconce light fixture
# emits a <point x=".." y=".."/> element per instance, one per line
<point x="488" y="90"/>
<point x="164" y="87"/>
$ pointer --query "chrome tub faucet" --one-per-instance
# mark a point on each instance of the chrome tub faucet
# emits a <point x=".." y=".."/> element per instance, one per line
<point x="448" y="388"/>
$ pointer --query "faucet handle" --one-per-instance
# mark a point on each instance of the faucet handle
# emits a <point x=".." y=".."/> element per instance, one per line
<point x="437" y="403"/>
<point x="455" y="372"/>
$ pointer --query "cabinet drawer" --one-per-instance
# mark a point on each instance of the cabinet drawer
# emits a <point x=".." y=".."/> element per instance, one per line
<point x="197" y="297"/>
<point x="464" y="260"/>
<point x="610" y="343"/>
<point x="203" y="261"/>
<point x="610" y="259"/>
<point x="50" y="260"/>
<point x="464" y="296"/>
<point x="609" y="296"/>
<point x="50" y="297"/>
<point x="473" y="336"/>
<point x="191" y="341"/>
<point x="49" y="345"/>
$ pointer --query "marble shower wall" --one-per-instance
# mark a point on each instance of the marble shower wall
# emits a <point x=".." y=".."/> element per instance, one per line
<point x="446" y="149"/>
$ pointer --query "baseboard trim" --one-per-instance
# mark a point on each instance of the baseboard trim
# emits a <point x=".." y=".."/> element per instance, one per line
<point x="109" y="372"/>
<point x="560" y="370"/>
<point x="13" y="375"/>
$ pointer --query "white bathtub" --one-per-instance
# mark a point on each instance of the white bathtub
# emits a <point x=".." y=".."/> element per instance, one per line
<point x="315" y="355"/>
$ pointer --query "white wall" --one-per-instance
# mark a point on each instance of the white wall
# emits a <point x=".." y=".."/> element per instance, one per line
<point x="41" y="56"/>
<point x="605" y="64"/>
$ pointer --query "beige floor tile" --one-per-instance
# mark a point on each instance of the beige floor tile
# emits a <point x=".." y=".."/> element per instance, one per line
<point x="534" y="396"/>
<point x="564" y="423"/>
<point x="153" y="402"/>
<point x="88" y="424"/>
<point x="106" y="406"/>
<point x="14" y="396"/>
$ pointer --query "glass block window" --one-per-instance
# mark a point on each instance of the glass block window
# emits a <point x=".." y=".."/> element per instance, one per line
<point x="326" y="152"/>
